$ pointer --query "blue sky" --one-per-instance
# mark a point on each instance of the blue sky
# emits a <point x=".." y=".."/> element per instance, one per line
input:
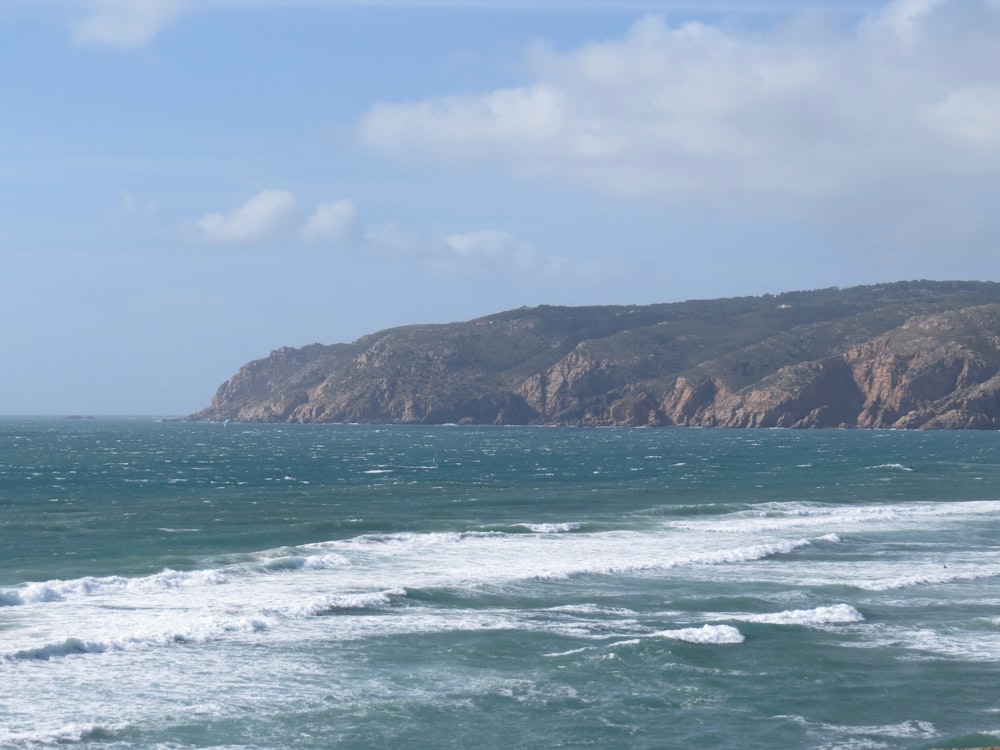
<point x="189" y="184"/>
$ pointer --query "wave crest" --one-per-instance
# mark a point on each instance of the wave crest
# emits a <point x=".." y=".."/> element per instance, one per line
<point x="838" y="613"/>
<point x="707" y="634"/>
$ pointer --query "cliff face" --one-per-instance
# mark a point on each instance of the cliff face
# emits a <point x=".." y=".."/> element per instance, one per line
<point x="907" y="355"/>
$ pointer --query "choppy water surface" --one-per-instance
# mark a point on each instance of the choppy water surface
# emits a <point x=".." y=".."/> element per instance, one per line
<point x="171" y="585"/>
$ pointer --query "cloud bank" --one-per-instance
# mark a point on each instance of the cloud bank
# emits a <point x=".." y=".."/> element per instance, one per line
<point x="814" y="119"/>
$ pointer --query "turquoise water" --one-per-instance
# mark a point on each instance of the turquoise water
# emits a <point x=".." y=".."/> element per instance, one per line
<point x="173" y="585"/>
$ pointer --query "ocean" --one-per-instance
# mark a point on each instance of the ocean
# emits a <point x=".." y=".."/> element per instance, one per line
<point x="180" y="585"/>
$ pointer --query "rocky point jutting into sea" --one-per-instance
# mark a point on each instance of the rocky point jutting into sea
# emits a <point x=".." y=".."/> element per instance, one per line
<point x="916" y="354"/>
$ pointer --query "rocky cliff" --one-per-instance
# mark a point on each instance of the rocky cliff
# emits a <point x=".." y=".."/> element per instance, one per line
<point x="905" y="355"/>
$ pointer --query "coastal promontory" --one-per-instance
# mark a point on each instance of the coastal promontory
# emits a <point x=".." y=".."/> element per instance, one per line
<point x="917" y="354"/>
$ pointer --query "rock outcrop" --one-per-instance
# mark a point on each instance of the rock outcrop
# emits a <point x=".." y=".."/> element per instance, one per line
<point x="906" y="355"/>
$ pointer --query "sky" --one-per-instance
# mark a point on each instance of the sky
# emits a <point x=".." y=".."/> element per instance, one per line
<point x="186" y="185"/>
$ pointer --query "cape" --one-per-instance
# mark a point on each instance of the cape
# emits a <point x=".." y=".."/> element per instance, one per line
<point x="915" y="354"/>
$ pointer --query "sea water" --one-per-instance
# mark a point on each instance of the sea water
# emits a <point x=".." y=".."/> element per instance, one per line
<point x="174" y="585"/>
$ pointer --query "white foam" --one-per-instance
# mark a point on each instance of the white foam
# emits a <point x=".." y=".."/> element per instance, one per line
<point x="407" y="539"/>
<point x="197" y="632"/>
<point x="629" y="642"/>
<point x="359" y="600"/>
<point x="972" y="645"/>
<point x="669" y="561"/>
<point x="838" y="613"/>
<point x="614" y="644"/>
<point x="53" y="650"/>
<point x="548" y="528"/>
<point x="58" y="590"/>
<point x="290" y="599"/>
<point x="67" y="734"/>
<point x="906" y="729"/>
<point x="939" y="575"/>
<point x="903" y="730"/>
<point x="476" y="558"/>
<point x="289" y="589"/>
<point x="710" y="634"/>
<point x="752" y="552"/>
<point x="306" y="562"/>
<point x="796" y="517"/>
<point x="593" y="609"/>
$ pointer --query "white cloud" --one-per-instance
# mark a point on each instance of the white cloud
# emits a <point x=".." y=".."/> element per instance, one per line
<point x="485" y="242"/>
<point x="969" y="117"/>
<point x="532" y="115"/>
<point x="494" y="250"/>
<point x="272" y="215"/>
<point x="335" y="222"/>
<point x="476" y="253"/>
<point x="811" y="120"/>
<point x="264" y="216"/>
<point x="902" y="20"/>
<point x="126" y="23"/>
<point x="132" y="207"/>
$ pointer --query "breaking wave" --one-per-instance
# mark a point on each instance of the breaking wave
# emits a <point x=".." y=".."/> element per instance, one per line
<point x="711" y="634"/>
<point x="58" y="590"/>
<point x="198" y="633"/>
<point x="838" y="613"/>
